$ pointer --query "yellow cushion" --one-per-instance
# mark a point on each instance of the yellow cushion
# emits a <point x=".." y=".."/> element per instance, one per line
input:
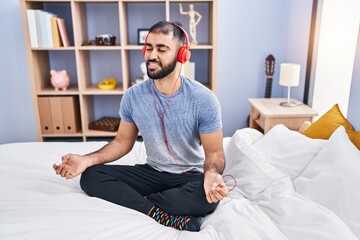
<point x="329" y="122"/>
<point x="355" y="138"/>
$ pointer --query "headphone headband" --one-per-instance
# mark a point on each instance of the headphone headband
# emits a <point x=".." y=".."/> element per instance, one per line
<point x="187" y="42"/>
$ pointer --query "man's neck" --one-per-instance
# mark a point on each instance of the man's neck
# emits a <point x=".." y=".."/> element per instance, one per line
<point x="170" y="84"/>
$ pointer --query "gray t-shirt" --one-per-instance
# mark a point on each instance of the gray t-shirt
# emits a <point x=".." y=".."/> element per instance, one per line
<point x="193" y="109"/>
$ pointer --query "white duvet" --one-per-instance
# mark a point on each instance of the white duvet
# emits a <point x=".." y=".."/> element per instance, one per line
<point x="266" y="203"/>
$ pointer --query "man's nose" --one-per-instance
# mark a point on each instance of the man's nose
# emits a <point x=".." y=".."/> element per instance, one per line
<point x="153" y="55"/>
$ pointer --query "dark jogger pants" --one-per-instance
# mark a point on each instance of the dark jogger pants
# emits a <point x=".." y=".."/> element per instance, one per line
<point x="140" y="187"/>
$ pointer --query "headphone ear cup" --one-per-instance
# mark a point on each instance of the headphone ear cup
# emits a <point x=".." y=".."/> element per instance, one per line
<point x="184" y="54"/>
<point x="143" y="50"/>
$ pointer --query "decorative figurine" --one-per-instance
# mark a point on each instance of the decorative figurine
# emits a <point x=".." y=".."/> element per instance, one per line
<point x="60" y="79"/>
<point x="193" y="22"/>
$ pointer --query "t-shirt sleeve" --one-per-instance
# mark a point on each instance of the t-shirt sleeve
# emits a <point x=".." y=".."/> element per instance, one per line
<point x="125" y="110"/>
<point x="210" y="115"/>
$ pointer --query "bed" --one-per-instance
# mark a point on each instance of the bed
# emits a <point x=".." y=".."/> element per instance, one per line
<point x="288" y="187"/>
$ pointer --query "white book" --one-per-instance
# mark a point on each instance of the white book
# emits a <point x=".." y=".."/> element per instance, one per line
<point x="39" y="29"/>
<point x="44" y="29"/>
<point x="32" y="28"/>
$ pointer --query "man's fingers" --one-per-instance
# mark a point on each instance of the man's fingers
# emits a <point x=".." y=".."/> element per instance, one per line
<point x="217" y="196"/>
<point x="62" y="169"/>
<point x="207" y="194"/>
<point x="212" y="197"/>
<point x="216" y="190"/>
<point x="59" y="168"/>
<point x="66" y="170"/>
<point x="70" y="174"/>
<point x="66" y="158"/>
<point x="223" y="191"/>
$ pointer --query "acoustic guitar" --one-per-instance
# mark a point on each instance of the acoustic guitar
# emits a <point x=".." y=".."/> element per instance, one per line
<point x="269" y="71"/>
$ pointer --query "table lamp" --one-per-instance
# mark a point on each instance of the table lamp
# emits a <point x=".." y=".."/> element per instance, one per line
<point x="289" y="76"/>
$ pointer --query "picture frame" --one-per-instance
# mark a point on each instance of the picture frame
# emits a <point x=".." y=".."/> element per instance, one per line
<point x="142" y="33"/>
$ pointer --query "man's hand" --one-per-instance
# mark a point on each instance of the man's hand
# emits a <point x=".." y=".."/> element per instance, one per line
<point x="71" y="166"/>
<point x="215" y="188"/>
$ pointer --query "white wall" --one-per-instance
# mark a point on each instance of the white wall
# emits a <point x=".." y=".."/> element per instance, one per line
<point x="353" y="110"/>
<point x="249" y="30"/>
<point x="17" y="121"/>
<point x="336" y="40"/>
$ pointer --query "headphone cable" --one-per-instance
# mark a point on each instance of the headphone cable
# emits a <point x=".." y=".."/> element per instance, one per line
<point x="163" y="129"/>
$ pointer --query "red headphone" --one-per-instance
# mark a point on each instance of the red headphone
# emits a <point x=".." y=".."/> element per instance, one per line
<point x="184" y="53"/>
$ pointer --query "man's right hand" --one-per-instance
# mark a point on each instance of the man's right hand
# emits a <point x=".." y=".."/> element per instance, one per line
<point x="72" y="165"/>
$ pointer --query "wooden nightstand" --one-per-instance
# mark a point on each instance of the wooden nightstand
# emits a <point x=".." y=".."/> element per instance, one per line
<point x="267" y="112"/>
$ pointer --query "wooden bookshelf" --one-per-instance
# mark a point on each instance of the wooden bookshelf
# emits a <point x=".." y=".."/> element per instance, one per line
<point x="88" y="65"/>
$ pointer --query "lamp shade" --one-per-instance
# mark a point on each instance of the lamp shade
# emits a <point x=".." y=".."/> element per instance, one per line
<point x="289" y="74"/>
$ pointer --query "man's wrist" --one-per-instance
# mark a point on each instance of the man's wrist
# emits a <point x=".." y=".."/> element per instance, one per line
<point x="209" y="171"/>
<point x="90" y="160"/>
<point x="215" y="168"/>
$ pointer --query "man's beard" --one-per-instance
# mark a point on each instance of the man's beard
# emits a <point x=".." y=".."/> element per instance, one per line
<point x="164" y="71"/>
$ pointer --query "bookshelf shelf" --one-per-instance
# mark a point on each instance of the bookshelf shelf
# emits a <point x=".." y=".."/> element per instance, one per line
<point x="89" y="64"/>
<point x="73" y="90"/>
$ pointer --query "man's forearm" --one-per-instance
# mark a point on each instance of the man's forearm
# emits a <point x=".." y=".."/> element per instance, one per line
<point x="109" y="153"/>
<point x="215" y="162"/>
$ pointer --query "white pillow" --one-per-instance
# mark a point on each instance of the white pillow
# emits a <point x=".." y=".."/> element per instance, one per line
<point x="333" y="179"/>
<point x="287" y="150"/>
<point x="137" y="155"/>
<point x="252" y="172"/>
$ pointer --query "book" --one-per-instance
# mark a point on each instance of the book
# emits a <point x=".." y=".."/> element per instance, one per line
<point x="56" y="39"/>
<point x="48" y="17"/>
<point x="44" y="38"/>
<point x="39" y="30"/>
<point x="32" y="28"/>
<point x="63" y="32"/>
<point x="40" y="25"/>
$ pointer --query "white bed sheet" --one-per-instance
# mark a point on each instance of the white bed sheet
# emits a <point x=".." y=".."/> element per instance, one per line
<point x="35" y="203"/>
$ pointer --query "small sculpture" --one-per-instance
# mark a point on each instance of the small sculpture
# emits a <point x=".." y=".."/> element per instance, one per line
<point x="193" y="22"/>
<point x="60" y="79"/>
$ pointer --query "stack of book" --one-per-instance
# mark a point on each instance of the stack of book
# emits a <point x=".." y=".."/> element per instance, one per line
<point x="46" y="29"/>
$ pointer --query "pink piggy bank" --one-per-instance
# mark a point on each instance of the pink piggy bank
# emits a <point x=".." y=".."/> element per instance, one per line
<point x="60" y="79"/>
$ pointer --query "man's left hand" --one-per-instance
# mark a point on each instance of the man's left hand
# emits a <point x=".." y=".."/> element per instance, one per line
<point x="215" y="188"/>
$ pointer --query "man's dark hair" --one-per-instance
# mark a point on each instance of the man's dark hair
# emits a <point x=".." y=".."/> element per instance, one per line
<point x="165" y="27"/>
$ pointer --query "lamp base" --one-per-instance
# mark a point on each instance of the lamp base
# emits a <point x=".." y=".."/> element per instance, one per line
<point x="288" y="104"/>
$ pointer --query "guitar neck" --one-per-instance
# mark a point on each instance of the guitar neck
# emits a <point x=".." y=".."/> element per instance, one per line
<point x="269" y="71"/>
<point x="268" y="86"/>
